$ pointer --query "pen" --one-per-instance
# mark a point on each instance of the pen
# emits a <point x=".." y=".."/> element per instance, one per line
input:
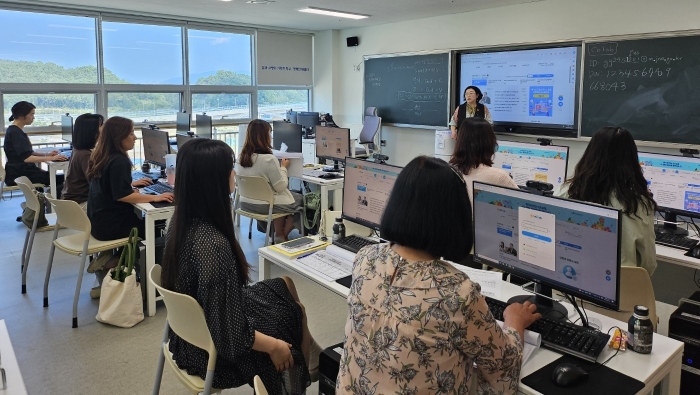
<point x="305" y="255"/>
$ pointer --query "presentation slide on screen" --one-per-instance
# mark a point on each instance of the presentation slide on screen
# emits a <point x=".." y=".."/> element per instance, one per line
<point x="526" y="86"/>
<point x="333" y="143"/>
<point x="524" y="161"/>
<point x="563" y="241"/>
<point x="367" y="189"/>
<point x="674" y="180"/>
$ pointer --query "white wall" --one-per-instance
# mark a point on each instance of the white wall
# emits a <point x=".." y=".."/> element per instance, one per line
<point x="548" y="20"/>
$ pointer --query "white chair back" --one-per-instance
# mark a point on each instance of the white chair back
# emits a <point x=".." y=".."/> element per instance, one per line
<point x="186" y="317"/>
<point x="371" y="126"/>
<point x="23" y="180"/>
<point x="29" y="196"/>
<point x="259" y="386"/>
<point x="255" y="188"/>
<point x="70" y="215"/>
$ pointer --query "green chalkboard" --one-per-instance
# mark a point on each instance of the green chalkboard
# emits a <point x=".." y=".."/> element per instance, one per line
<point x="409" y="89"/>
<point x="649" y="86"/>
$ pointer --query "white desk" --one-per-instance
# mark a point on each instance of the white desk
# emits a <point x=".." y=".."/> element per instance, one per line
<point x="676" y="256"/>
<point x="55" y="167"/>
<point x="152" y="214"/>
<point x="335" y="185"/>
<point x="15" y="383"/>
<point x="663" y="365"/>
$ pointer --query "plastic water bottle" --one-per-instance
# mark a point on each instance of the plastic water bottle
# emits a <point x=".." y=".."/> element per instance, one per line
<point x="641" y="330"/>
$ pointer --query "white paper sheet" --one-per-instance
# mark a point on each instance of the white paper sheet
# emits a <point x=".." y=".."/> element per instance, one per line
<point x="490" y="281"/>
<point x="327" y="266"/>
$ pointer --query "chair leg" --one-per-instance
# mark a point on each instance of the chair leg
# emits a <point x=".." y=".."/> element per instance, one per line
<point x="24" y="249"/>
<point x="48" y="267"/>
<point x="25" y="266"/>
<point x="267" y="232"/>
<point x="250" y="229"/>
<point x="161" y="360"/>
<point x="208" y="380"/>
<point x="79" y="283"/>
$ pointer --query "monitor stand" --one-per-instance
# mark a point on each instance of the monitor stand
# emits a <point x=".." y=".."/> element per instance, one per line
<point x="549" y="308"/>
<point x="334" y="169"/>
<point x="669" y="226"/>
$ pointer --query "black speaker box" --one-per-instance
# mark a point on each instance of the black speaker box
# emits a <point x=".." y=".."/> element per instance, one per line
<point x="353" y="41"/>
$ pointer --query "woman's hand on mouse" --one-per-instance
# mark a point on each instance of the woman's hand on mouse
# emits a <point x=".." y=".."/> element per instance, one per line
<point x="520" y="316"/>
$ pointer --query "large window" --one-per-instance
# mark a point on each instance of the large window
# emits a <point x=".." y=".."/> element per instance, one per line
<point x="273" y="104"/>
<point x="144" y="107"/>
<point x="47" y="48"/>
<point x="50" y="106"/>
<point x="142" y="54"/>
<point x="222" y="105"/>
<point x="217" y="58"/>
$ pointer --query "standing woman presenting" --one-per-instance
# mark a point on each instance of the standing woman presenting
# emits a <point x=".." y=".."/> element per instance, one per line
<point x="471" y="108"/>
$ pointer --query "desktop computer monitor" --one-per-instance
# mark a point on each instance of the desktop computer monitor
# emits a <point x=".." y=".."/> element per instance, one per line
<point x="156" y="145"/>
<point x="182" y="123"/>
<point x="182" y="139"/>
<point x="558" y="243"/>
<point x="366" y="191"/>
<point x="291" y="116"/>
<point x="203" y="126"/>
<point x="308" y="120"/>
<point x="528" y="161"/>
<point x="675" y="182"/>
<point x="288" y="133"/>
<point x="67" y="128"/>
<point x="332" y="143"/>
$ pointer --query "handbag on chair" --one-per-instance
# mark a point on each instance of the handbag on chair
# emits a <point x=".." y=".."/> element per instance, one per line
<point x="28" y="214"/>
<point x="120" y="300"/>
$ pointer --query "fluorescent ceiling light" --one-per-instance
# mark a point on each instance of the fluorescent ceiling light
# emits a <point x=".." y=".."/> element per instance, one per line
<point x="341" y="14"/>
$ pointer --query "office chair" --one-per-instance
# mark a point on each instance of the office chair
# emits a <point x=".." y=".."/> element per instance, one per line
<point x="370" y="130"/>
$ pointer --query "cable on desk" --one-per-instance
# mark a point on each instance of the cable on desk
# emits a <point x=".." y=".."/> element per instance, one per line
<point x="613" y="356"/>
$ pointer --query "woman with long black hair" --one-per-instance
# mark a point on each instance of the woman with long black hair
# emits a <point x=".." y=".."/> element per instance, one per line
<point x="257" y="329"/>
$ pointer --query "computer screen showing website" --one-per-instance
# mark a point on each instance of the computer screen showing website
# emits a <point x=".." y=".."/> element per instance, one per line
<point x="572" y="246"/>
<point x="366" y="191"/>
<point x="674" y="180"/>
<point x="332" y="143"/>
<point x="156" y="145"/>
<point x="529" y="86"/>
<point x="526" y="161"/>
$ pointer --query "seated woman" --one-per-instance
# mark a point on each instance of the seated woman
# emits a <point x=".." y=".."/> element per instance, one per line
<point x="609" y="174"/>
<point x="257" y="160"/>
<point x="85" y="132"/>
<point x="257" y="329"/>
<point x="21" y="157"/>
<point x="417" y="324"/>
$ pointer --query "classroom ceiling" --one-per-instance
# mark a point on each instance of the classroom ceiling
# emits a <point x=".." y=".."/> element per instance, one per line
<point x="284" y="13"/>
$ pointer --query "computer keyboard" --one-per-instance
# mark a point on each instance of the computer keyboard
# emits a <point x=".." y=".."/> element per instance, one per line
<point x="561" y="336"/>
<point x="675" y="241"/>
<point x="353" y="243"/>
<point x="137" y="175"/>
<point x="312" y="172"/>
<point x="159" y="188"/>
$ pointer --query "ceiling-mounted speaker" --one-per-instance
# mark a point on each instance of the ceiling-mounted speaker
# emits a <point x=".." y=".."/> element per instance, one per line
<point x="352" y="41"/>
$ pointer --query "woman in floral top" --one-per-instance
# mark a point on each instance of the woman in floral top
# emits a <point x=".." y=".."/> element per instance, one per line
<point x="417" y="325"/>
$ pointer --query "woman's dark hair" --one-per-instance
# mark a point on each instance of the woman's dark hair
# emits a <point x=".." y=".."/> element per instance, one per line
<point x="479" y="95"/>
<point x="203" y="194"/>
<point x="86" y="130"/>
<point x="21" y="109"/>
<point x="109" y="142"/>
<point x="429" y="210"/>
<point x="476" y="143"/>
<point x="610" y="168"/>
<point x="257" y="141"/>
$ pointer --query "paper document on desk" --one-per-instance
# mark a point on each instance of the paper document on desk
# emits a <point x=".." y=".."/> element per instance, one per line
<point x="531" y="343"/>
<point x="489" y="281"/>
<point x="325" y="265"/>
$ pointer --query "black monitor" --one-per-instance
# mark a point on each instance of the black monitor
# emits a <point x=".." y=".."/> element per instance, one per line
<point x="366" y="191"/>
<point x="675" y="182"/>
<point x="288" y="133"/>
<point x="203" y="126"/>
<point x="530" y="161"/>
<point x="291" y="116"/>
<point x="67" y="128"/>
<point x="156" y="145"/>
<point x="558" y="243"/>
<point x="333" y="144"/>
<point x="182" y="138"/>
<point x="182" y="123"/>
<point x="308" y="120"/>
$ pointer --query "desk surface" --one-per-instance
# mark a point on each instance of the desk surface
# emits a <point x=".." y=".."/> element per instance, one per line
<point x="15" y="382"/>
<point x="649" y="368"/>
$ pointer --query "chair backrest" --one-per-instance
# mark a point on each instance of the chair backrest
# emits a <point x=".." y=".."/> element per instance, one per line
<point x="370" y="128"/>
<point x="371" y="111"/>
<point x="259" y="386"/>
<point x="185" y="317"/>
<point x="351" y="228"/>
<point x="23" y="180"/>
<point x="2" y="172"/>
<point x="255" y="188"/>
<point x="70" y="215"/>
<point x="29" y="196"/>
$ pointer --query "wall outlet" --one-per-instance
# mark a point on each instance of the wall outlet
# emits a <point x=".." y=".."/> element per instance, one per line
<point x="382" y="143"/>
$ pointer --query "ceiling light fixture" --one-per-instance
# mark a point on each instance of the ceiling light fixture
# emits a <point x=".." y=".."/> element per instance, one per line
<point x="340" y="14"/>
<point x="258" y="1"/>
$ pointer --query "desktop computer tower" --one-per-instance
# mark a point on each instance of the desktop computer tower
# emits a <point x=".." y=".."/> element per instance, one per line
<point x="684" y="326"/>
<point x="328" y="366"/>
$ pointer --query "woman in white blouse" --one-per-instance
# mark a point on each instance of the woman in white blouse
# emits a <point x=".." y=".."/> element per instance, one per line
<point x="256" y="159"/>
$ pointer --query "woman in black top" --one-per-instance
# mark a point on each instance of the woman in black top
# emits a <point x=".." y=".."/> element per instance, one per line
<point x="85" y="132"/>
<point x="112" y="192"/>
<point x="470" y="108"/>
<point x="21" y="158"/>
<point x="257" y="329"/>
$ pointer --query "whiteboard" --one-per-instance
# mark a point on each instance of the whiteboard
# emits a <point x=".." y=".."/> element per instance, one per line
<point x="284" y="59"/>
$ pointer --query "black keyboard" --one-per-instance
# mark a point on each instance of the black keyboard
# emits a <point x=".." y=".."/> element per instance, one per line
<point x="675" y="241"/>
<point x="354" y="243"/>
<point x="159" y="188"/>
<point x="560" y="336"/>
<point x="137" y="175"/>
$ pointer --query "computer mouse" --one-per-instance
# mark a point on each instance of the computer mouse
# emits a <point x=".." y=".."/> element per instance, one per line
<point x="695" y="251"/>
<point x="568" y="374"/>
